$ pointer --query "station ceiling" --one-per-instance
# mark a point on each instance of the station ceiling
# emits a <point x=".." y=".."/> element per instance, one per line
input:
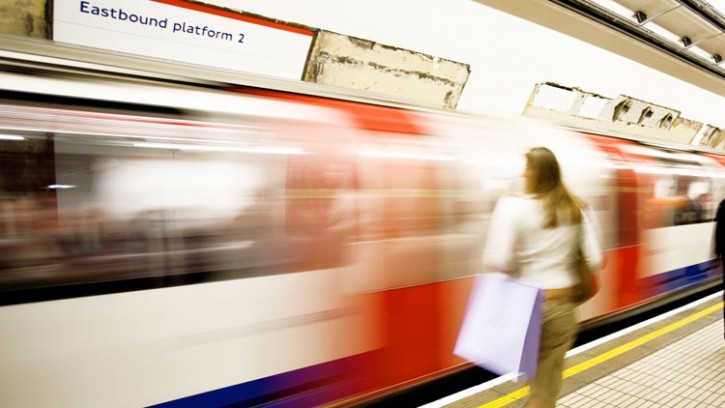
<point x="682" y="38"/>
<point x="691" y="30"/>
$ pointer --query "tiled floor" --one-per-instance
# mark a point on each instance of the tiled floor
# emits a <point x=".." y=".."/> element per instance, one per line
<point x="676" y="360"/>
<point x="688" y="373"/>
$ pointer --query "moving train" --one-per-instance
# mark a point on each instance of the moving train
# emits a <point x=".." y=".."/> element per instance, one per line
<point x="170" y="239"/>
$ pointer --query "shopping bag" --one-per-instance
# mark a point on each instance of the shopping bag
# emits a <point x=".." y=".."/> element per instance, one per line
<point x="501" y="328"/>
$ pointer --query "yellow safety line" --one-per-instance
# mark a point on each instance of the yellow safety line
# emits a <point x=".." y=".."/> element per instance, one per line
<point x="585" y="365"/>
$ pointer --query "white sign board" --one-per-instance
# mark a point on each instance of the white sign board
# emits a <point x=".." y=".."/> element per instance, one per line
<point x="182" y="31"/>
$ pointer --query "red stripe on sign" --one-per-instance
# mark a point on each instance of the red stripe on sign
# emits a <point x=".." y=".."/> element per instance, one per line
<point x="234" y="16"/>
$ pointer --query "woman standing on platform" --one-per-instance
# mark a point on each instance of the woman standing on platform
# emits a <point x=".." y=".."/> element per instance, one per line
<point x="536" y="238"/>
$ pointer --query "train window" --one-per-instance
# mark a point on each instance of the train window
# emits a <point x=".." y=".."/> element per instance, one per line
<point x="408" y="198"/>
<point x="680" y="193"/>
<point x="83" y="212"/>
<point x="136" y="203"/>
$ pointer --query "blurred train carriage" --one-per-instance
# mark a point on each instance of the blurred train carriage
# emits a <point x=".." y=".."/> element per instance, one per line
<point x="166" y="243"/>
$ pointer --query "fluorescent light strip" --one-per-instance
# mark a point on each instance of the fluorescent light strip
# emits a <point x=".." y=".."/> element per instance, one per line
<point x="210" y="148"/>
<point x="718" y="5"/>
<point x="11" y="137"/>
<point x="615" y="8"/>
<point x="664" y="33"/>
<point x="699" y="51"/>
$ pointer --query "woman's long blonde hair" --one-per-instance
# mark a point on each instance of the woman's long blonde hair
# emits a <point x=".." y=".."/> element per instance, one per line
<point x="546" y="185"/>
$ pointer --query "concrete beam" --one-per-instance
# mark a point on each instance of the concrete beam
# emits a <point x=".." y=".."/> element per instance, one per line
<point x="24" y="17"/>
<point x="354" y="63"/>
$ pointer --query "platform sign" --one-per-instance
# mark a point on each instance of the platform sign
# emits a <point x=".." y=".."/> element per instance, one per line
<point x="180" y="30"/>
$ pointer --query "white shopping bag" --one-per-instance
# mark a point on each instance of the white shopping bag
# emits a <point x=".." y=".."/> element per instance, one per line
<point x="501" y="329"/>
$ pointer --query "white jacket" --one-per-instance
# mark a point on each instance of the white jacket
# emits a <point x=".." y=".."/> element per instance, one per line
<point x="520" y="246"/>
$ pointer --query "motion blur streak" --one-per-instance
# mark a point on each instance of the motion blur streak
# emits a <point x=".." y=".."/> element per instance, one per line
<point x="266" y="247"/>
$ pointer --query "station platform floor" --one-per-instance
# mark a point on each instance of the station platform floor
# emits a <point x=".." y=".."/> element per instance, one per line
<point x="674" y="360"/>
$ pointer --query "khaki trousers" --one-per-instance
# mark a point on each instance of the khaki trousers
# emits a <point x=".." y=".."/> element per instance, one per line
<point x="558" y="332"/>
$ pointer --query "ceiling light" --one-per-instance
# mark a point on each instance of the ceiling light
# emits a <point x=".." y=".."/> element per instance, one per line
<point x="718" y="5"/>
<point x="640" y="16"/>
<point x="699" y="51"/>
<point x="11" y="137"/>
<point x="614" y="7"/>
<point x="663" y="32"/>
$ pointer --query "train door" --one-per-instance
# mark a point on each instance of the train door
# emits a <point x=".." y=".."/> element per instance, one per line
<point x="624" y="260"/>
<point x="679" y="209"/>
<point x="663" y="220"/>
